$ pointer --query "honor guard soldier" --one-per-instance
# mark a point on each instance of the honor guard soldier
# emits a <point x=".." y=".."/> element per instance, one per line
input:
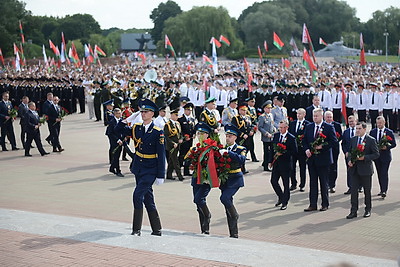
<point x="337" y="102"/>
<point x="201" y="191"/>
<point x="361" y="103"/>
<point x="230" y="112"/>
<point x="127" y="111"/>
<point x="148" y="165"/>
<point x="173" y="137"/>
<point x="252" y="112"/>
<point x="375" y="103"/>
<point x="115" y="140"/>
<point x="235" y="178"/>
<point x="187" y="125"/>
<point x="242" y="92"/>
<point x="208" y="115"/>
<point x="108" y="112"/>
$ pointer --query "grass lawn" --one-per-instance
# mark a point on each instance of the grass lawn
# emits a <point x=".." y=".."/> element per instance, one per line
<point x="391" y="59"/>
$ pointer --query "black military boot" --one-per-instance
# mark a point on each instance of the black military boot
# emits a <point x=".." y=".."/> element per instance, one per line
<point x="137" y="221"/>
<point x="155" y="223"/>
<point x="206" y="221"/>
<point x="232" y="218"/>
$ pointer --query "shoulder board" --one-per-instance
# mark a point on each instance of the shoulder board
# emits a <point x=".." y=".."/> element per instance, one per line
<point x="138" y="123"/>
<point x="157" y="128"/>
<point x="241" y="147"/>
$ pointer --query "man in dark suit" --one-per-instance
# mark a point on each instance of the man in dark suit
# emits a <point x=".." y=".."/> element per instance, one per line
<point x="115" y="140"/>
<point x="6" y="123"/>
<point x="315" y="104"/>
<point x="22" y="110"/>
<point x="32" y="130"/>
<point x="45" y="109"/>
<point x="187" y="125"/>
<point x="297" y="128"/>
<point x="282" y="167"/>
<point x="361" y="168"/>
<point x="333" y="169"/>
<point x="346" y="137"/>
<point x="319" y="158"/>
<point x="54" y="121"/>
<point x="382" y="163"/>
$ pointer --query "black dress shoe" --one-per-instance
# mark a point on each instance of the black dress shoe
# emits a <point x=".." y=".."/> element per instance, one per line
<point x="15" y="148"/>
<point x="278" y="203"/>
<point x="302" y="189"/>
<point x="125" y="159"/>
<point x="55" y="150"/>
<point x="170" y="178"/>
<point x="246" y="172"/>
<point x="323" y="209"/>
<point x="181" y="178"/>
<point x="61" y="149"/>
<point x="5" y="149"/>
<point x="284" y="207"/>
<point x="348" y="192"/>
<point x="380" y="194"/>
<point x="45" y="153"/>
<point x="112" y="171"/>
<point x="332" y="190"/>
<point x="293" y="187"/>
<point x="310" y="209"/>
<point x="28" y="155"/>
<point x="156" y="233"/>
<point x="137" y="233"/>
<point x="256" y="160"/>
<point x="119" y="174"/>
<point x="367" y="214"/>
<point x="383" y="195"/>
<point x="351" y="215"/>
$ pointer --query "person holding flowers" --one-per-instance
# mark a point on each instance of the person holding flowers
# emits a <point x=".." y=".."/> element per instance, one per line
<point x="386" y="142"/>
<point x="7" y="117"/>
<point x="32" y="130"/>
<point x="319" y="138"/>
<point x="285" y="148"/>
<point x="363" y="150"/>
<point x="236" y="158"/>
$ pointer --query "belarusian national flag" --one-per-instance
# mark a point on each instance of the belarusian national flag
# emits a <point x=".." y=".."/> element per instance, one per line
<point x="308" y="62"/>
<point x="307" y="40"/>
<point x="215" y="41"/>
<point x="54" y="48"/>
<point x="16" y="49"/>
<point x="363" y="62"/>
<point x="249" y="74"/>
<point x="22" y="33"/>
<point x="286" y="63"/>
<point x="277" y="42"/>
<point x="265" y="46"/>
<point x="99" y="51"/>
<point x="143" y="57"/>
<point x="1" y="57"/>
<point x="224" y="40"/>
<point x="259" y="53"/>
<point x="322" y="42"/>
<point x="207" y="61"/>
<point x="168" y="45"/>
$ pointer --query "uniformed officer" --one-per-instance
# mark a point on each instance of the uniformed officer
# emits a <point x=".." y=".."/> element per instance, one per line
<point x="108" y="112"/>
<point x="235" y="179"/>
<point x="242" y="92"/>
<point x="208" y="116"/>
<point x="173" y="137"/>
<point x="148" y="165"/>
<point x="279" y="111"/>
<point x="252" y="112"/>
<point x="187" y="125"/>
<point x="230" y="112"/>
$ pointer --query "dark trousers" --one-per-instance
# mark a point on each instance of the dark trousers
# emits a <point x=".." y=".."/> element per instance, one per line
<point x="114" y="157"/>
<point x="173" y="164"/>
<point x="337" y="114"/>
<point x="382" y="168"/>
<point x="349" y="111"/>
<point x="301" y="158"/>
<point x="81" y="104"/>
<point x="200" y="193"/>
<point x="373" y="114"/>
<point x="358" y="181"/>
<point x="97" y="111"/>
<point x="362" y="115"/>
<point x="333" y="170"/>
<point x="55" y="134"/>
<point x="268" y="151"/>
<point x="183" y="150"/>
<point x="23" y="135"/>
<point x="197" y="111"/>
<point x="391" y="119"/>
<point x="220" y="109"/>
<point x="143" y="193"/>
<point x="277" y="172"/>
<point x="226" y="197"/>
<point x="125" y="148"/>
<point x="7" y="129"/>
<point x="34" y="136"/>
<point x="250" y="147"/>
<point x="318" y="174"/>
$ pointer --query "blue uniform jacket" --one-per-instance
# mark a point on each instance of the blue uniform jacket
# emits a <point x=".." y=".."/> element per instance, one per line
<point x="238" y="156"/>
<point x="149" y="143"/>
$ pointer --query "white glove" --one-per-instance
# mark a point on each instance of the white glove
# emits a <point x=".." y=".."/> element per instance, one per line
<point x="222" y="151"/>
<point x="159" y="181"/>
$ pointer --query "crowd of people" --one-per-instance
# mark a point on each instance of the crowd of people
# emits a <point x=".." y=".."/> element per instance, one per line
<point x="301" y="122"/>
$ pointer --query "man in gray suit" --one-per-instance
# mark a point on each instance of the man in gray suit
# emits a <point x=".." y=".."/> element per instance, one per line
<point x="279" y="112"/>
<point x="361" y="168"/>
<point x="267" y="130"/>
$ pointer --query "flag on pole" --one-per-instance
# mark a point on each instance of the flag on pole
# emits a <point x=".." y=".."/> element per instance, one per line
<point x="322" y="42"/>
<point x="215" y="41"/>
<point x="224" y="40"/>
<point x="363" y="62"/>
<point x="306" y="39"/>
<point x="17" y="62"/>
<point x="249" y="75"/>
<point x="143" y="57"/>
<point x="259" y="54"/>
<point x="207" y="61"/>
<point x="44" y="55"/>
<point x="64" y="56"/>
<point x="99" y="51"/>
<point x="73" y="54"/>
<point x="1" y="57"/>
<point x="54" y="48"/>
<point x="168" y="45"/>
<point x="344" y="112"/>
<point x="286" y="63"/>
<point x="265" y="46"/>
<point x="308" y="62"/>
<point x="22" y="33"/>
<point x="293" y="44"/>
<point x="16" y="49"/>
<point x="22" y="55"/>
<point x="214" y="58"/>
<point x="277" y="42"/>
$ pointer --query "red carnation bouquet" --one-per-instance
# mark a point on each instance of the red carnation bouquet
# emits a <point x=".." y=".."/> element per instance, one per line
<point x="299" y="140"/>
<point x="208" y="164"/>
<point x="385" y="142"/>
<point x="320" y="140"/>
<point x="357" y="153"/>
<point x="279" y="149"/>
<point x="13" y="113"/>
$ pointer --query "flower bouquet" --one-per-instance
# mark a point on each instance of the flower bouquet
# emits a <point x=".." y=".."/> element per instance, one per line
<point x="385" y="142"/>
<point x="357" y="153"/>
<point x="13" y="113"/>
<point x="43" y="119"/>
<point x="320" y="140"/>
<point x="299" y="140"/>
<point x="208" y="164"/>
<point x="279" y="149"/>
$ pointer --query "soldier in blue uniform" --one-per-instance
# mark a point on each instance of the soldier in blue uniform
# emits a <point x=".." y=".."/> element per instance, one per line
<point x="148" y="165"/>
<point x="200" y="191"/>
<point x="108" y="113"/>
<point x="235" y="179"/>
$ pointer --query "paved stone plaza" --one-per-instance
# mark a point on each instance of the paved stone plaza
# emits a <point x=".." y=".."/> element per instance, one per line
<point x="66" y="209"/>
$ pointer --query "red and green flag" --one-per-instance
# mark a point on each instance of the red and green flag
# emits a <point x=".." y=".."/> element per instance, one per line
<point x="168" y="45"/>
<point x="22" y="33"/>
<point x="54" y="48"/>
<point x="265" y="46"/>
<point x="322" y="42"/>
<point x="249" y="74"/>
<point x="207" y="61"/>
<point x="286" y="63"/>
<point x="22" y="55"/>
<point x="99" y="51"/>
<point x="306" y="39"/>
<point x="363" y="62"/>
<point x="224" y="40"/>
<point x="259" y="54"/>
<point x="16" y="49"/>
<point x="1" y="57"/>
<point x="215" y="41"/>
<point x="278" y="42"/>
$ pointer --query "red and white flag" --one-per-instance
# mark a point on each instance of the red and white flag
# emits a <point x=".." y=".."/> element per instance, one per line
<point x="265" y="46"/>
<point x="322" y="42"/>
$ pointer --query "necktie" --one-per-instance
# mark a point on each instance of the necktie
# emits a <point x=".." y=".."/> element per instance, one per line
<point x="316" y="132"/>
<point x="198" y="94"/>
<point x="360" y="99"/>
<point x="347" y="99"/>
<point x="337" y="96"/>
<point x="352" y="132"/>
<point x="387" y="98"/>
<point x="359" y="140"/>
<point x="380" y="135"/>
<point x="298" y="126"/>
<point x="280" y="139"/>
<point x="229" y="148"/>
<point x="220" y="93"/>
<point x="373" y="98"/>
<point x="322" y="98"/>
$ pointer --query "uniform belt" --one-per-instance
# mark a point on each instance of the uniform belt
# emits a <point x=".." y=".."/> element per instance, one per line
<point x="146" y="156"/>
<point x="235" y="171"/>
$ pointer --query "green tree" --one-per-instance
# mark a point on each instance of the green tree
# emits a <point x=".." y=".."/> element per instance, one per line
<point x="103" y="42"/>
<point x="78" y="26"/>
<point x="160" y="14"/>
<point x="191" y="31"/>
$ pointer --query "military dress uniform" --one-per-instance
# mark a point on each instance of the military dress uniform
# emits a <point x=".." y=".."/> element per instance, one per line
<point x="173" y="134"/>
<point x="228" y="113"/>
<point x="187" y="125"/>
<point x="252" y="112"/>
<point x="148" y="166"/>
<point x="208" y="117"/>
